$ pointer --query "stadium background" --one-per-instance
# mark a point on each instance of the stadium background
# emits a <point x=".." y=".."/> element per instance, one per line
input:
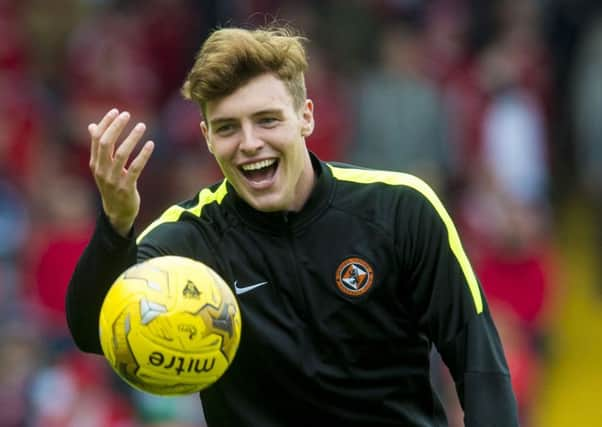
<point x="498" y="104"/>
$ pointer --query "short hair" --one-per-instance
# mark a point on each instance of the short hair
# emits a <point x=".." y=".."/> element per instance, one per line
<point x="230" y="57"/>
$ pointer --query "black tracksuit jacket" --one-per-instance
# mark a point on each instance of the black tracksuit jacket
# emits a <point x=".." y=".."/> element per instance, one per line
<point x="360" y="284"/>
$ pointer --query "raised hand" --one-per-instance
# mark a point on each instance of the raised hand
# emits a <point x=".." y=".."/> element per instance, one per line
<point x="117" y="184"/>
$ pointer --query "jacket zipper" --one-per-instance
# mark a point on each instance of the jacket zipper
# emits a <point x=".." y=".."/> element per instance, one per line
<point x="298" y="288"/>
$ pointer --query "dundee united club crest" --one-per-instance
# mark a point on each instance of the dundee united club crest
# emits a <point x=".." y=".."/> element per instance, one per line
<point x="354" y="276"/>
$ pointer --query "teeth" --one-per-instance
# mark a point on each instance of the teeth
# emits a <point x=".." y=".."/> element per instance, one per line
<point x="258" y="165"/>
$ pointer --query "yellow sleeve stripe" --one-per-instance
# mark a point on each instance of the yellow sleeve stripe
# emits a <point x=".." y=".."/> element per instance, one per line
<point x="172" y="214"/>
<point x="365" y="176"/>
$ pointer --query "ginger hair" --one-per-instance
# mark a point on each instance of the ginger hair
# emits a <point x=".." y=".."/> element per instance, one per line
<point x="230" y="57"/>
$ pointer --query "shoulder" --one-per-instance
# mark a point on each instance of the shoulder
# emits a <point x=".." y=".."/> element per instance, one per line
<point x="383" y="195"/>
<point x="350" y="177"/>
<point x="205" y="205"/>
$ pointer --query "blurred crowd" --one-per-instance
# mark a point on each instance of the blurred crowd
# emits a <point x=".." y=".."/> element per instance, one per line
<point x="497" y="104"/>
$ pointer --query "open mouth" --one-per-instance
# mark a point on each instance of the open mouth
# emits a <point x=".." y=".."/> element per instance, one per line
<point x="261" y="171"/>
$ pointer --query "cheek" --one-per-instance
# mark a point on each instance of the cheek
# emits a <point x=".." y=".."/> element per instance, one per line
<point x="224" y="148"/>
<point x="281" y="136"/>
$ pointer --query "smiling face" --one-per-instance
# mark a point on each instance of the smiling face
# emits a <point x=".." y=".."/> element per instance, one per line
<point x="257" y="137"/>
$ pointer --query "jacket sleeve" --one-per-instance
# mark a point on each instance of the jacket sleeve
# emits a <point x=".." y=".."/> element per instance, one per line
<point x="107" y="255"/>
<point x="477" y="363"/>
<point x="451" y="309"/>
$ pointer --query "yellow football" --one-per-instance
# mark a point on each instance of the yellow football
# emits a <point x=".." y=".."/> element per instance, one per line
<point x="170" y="326"/>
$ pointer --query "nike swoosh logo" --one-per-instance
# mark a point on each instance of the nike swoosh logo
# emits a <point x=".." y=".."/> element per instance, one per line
<point x="244" y="289"/>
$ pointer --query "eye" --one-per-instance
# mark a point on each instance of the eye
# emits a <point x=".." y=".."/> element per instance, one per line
<point x="225" y="129"/>
<point x="268" y="121"/>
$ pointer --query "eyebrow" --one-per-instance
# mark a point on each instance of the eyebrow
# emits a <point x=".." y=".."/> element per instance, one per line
<point x="221" y="120"/>
<point x="216" y="122"/>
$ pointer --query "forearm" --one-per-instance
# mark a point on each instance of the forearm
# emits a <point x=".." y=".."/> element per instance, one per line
<point x="104" y="259"/>
<point x="488" y="400"/>
<point x="478" y="364"/>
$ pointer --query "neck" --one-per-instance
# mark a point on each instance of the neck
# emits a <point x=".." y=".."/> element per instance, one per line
<point x="305" y="185"/>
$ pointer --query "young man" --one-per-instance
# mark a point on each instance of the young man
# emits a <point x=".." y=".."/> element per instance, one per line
<point x="361" y="271"/>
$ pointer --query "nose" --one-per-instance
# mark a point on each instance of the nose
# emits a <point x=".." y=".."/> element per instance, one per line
<point x="250" y="142"/>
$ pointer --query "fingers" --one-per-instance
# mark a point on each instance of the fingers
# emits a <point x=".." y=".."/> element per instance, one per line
<point x="96" y="130"/>
<point x="139" y="162"/>
<point x="126" y="147"/>
<point x="106" y="121"/>
<point x="107" y="163"/>
<point x="107" y="140"/>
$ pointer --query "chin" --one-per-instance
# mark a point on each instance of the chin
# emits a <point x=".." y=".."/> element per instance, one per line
<point x="263" y="205"/>
<point x="268" y="207"/>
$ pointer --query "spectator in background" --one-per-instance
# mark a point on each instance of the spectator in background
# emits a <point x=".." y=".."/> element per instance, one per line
<point x="57" y="241"/>
<point x="513" y="42"/>
<point x="21" y="354"/>
<point x="331" y="137"/>
<point x="14" y="229"/>
<point x="400" y="118"/>
<point x="14" y="54"/>
<point x="107" y="60"/>
<point x="348" y="32"/>
<point x="514" y="147"/>
<point x="444" y="38"/>
<point x="167" y="26"/>
<point x="21" y="131"/>
<point x="587" y="108"/>
<point x="47" y="38"/>
<point x="20" y="135"/>
<point x="503" y="208"/>
<point x="73" y="390"/>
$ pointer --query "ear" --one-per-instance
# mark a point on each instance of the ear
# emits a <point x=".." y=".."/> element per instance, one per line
<point x="205" y="132"/>
<point x="307" y="118"/>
